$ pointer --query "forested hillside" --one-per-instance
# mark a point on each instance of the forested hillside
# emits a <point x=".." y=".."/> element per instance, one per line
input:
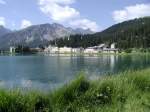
<point x="129" y="34"/>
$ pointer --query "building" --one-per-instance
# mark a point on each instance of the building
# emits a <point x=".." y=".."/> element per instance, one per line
<point x="12" y="49"/>
<point x="113" y="46"/>
<point x="63" y="50"/>
<point x="109" y="50"/>
<point x="51" y="49"/>
<point x="90" y="50"/>
<point x="48" y="49"/>
<point x="102" y="48"/>
<point x="112" y="49"/>
<point x="77" y="50"/>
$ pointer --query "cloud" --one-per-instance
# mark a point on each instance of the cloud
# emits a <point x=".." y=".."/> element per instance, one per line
<point x="85" y="24"/>
<point x="2" y="21"/>
<point x="58" y="10"/>
<point x="25" y="23"/>
<point x="131" y="12"/>
<point x="13" y="24"/>
<point x="62" y="12"/>
<point x="2" y="2"/>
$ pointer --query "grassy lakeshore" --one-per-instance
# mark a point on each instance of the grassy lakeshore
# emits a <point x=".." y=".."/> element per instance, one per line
<point x="124" y="92"/>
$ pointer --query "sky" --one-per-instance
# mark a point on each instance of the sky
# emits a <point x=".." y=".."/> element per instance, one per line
<point x="96" y="15"/>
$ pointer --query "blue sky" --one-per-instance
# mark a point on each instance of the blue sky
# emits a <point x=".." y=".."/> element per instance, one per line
<point x="94" y="14"/>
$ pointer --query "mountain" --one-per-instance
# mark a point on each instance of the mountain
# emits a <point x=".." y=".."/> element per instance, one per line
<point x="83" y="31"/>
<point x="129" y="34"/>
<point x="36" y="35"/>
<point x="3" y="30"/>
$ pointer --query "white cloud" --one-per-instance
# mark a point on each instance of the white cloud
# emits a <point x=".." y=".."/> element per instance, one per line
<point x="25" y="23"/>
<point x="58" y="10"/>
<point x="132" y="12"/>
<point x="62" y="12"/>
<point x="85" y="24"/>
<point x="2" y="21"/>
<point x="2" y="2"/>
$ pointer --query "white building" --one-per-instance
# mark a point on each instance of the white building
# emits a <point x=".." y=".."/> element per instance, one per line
<point x="112" y="49"/>
<point x="63" y="50"/>
<point x="102" y="48"/>
<point x="76" y="50"/>
<point x="113" y="46"/>
<point x="12" y="49"/>
<point x="90" y="51"/>
<point x="51" y="49"/>
<point x="54" y="50"/>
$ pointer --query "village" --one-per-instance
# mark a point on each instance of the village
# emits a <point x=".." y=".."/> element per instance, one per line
<point x="102" y="48"/>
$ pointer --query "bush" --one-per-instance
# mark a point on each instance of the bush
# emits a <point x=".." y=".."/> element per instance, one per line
<point x="128" y="50"/>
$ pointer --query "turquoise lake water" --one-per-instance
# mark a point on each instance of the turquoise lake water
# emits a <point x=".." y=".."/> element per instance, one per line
<point x="49" y="72"/>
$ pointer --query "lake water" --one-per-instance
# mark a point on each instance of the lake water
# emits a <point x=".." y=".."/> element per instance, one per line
<point x="48" y="72"/>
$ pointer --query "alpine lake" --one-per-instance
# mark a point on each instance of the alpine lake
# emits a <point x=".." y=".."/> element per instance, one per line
<point x="46" y="72"/>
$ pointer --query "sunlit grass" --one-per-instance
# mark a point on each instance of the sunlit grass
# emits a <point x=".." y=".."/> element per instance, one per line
<point x="125" y="92"/>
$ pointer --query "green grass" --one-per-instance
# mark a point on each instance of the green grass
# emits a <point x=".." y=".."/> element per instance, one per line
<point x="124" y="92"/>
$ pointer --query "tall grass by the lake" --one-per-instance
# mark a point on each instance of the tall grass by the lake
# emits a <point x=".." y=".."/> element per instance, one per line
<point x="125" y="92"/>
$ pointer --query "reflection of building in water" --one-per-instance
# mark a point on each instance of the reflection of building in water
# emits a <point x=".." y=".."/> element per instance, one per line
<point x="113" y="60"/>
<point x="108" y="63"/>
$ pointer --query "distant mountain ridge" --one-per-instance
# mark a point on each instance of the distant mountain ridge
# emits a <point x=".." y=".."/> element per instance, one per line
<point x="36" y="35"/>
<point x="4" y="30"/>
<point x="129" y="34"/>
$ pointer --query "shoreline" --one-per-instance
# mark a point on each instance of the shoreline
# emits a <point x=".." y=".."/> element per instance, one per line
<point x="72" y="54"/>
